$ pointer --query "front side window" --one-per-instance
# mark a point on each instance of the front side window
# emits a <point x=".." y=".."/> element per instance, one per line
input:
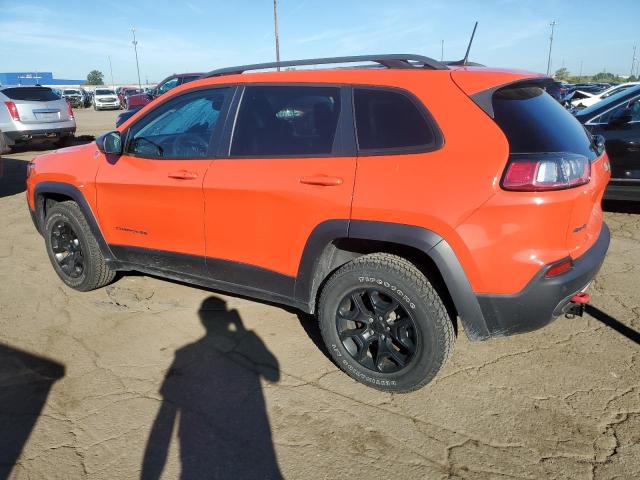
<point x="168" y="85"/>
<point x="631" y="107"/>
<point x="388" y="121"/>
<point x="179" y="128"/>
<point x="286" y="121"/>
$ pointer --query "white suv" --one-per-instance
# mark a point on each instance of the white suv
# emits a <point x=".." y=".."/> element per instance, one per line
<point x="32" y="113"/>
<point x="105" y="98"/>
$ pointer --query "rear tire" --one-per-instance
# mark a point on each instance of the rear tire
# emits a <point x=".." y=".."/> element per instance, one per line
<point x="73" y="249"/>
<point x="384" y="324"/>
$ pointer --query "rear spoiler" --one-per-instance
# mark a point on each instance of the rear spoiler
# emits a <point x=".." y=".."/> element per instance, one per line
<point x="484" y="98"/>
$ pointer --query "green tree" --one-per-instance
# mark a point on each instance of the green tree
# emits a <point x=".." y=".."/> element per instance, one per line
<point x="562" y="74"/>
<point x="95" y="77"/>
<point x="632" y="78"/>
<point x="605" y="77"/>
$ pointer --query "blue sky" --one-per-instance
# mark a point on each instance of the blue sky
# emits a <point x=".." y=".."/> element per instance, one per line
<point x="72" y="37"/>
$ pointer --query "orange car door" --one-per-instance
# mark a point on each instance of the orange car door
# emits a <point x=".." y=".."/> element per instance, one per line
<point x="150" y="199"/>
<point x="289" y="166"/>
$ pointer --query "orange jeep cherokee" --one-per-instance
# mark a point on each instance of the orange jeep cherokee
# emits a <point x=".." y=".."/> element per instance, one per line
<point x="388" y="201"/>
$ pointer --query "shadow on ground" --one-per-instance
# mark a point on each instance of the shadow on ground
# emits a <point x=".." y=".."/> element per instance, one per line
<point x="612" y="323"/>
<point x="25" y="382"/>
<point x="213" y="397"/>
<point x="13" y="176"/>
<point x="620" y="206"/>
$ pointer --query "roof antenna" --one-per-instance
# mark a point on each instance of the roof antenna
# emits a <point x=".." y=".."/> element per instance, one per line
<point x="466" y="55"/>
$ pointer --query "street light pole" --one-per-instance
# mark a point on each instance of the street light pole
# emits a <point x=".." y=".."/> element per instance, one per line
<point x="135" y="48"/>
<point x="441" y="50"/>
<point x="113" y="85"/>
<point x="275" y="26"/>
<point x="553" y="25"/>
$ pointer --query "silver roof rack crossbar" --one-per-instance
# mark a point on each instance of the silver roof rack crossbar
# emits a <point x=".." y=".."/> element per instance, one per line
<point x="386" y="60"/>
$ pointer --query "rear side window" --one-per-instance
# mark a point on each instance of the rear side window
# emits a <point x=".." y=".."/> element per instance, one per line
<point x="33" y="94"/>
<point x="390" y="121"/>
<point x="534" y="122"/>
<point x="286" y="121"/>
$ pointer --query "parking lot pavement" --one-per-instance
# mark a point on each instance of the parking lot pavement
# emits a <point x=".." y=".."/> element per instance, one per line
<point x="152" y="377"/>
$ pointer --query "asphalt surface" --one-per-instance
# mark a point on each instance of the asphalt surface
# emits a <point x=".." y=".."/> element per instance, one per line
<point x="154" y="379"/>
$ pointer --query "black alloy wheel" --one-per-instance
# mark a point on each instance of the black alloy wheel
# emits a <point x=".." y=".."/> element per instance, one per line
<point x="67" y="249"/>
<point x="376" y="330"/>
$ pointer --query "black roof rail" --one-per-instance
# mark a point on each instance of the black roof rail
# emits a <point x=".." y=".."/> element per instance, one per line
<point x="394" y="60"/>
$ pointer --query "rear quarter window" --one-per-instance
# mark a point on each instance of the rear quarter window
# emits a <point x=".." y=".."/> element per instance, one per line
<point x="32" y="94"/>
<point x="391" y="122"/>
<point x="534" y="122"/>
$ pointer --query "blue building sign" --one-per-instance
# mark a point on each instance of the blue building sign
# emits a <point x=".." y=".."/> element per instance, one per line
<point x="32" y="78"/>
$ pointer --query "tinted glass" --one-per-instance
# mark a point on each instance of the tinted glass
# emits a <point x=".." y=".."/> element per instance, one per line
<point x="168" y="85"/>
<point x="388" y="120"/>
<point x="189" y="79"/>
<point x="34" y="94"/>
<point x="283" y="120"/>
<point x="628" y="107"/>
<point x="533" y="122"/>
<point x="179" y="128"/>
<point x="104" y="92"/>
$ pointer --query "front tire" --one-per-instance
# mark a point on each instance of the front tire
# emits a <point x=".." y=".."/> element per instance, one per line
<point x="384" y="324"/>
<point x="73" y="249"/>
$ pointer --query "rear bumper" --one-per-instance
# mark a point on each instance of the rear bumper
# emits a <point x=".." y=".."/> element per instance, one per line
<point x="40" y="133"/>
<point x="543" y="299"/>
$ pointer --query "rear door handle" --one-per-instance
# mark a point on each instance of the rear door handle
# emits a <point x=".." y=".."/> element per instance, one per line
<point x="322" y="180"/>
<point x="183" y="175"/>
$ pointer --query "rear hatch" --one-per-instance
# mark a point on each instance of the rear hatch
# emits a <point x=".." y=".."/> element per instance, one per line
<point x="38" y="105"/>
<point x="552" y="155"/>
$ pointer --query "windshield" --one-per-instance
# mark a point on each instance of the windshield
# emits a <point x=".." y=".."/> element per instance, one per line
<point x="104" y="92"/>
<point x="607" y="102"/>
<point x="71" y="92"/>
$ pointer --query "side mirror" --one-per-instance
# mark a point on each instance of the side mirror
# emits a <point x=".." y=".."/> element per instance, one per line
<point x="110" y="143"/>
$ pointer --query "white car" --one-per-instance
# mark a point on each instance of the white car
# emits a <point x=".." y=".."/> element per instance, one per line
<point x="591" y="99"/>
<point x="105" y="98"/>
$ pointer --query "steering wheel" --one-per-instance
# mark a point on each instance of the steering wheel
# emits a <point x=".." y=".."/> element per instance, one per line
<point x="189" y="145"/>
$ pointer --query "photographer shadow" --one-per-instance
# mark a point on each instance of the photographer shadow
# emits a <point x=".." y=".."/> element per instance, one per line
<point x="213" y="396"/>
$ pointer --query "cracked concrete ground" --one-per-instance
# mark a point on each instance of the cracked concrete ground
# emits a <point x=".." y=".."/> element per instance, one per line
<point x="153" y="378"/>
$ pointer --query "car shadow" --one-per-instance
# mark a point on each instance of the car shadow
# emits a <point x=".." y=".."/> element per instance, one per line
<point x="612" y="323"/>
<point x="25" y="382"/>
<point x="212" y="397"/>
<point x="13" y="176"/>
<point x="620" y="206"/>
<point x="44" y="146"/>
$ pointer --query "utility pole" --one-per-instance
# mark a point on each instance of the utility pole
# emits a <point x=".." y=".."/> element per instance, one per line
<point x="580" y="74"/>
<point x="113" y="85"/>
<point x="553" y="26"/>
<point x="275" y="27"/>
<point x="441" y="50"/>
<point x="135" y="48"/>
<point x="633" y="60"/>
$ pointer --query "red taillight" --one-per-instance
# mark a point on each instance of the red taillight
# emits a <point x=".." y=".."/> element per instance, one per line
<point x="69" y="109"/>
<point x="553" y="171"/>
<point x="13" y="110"/>
<point x="558" y="268"/>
